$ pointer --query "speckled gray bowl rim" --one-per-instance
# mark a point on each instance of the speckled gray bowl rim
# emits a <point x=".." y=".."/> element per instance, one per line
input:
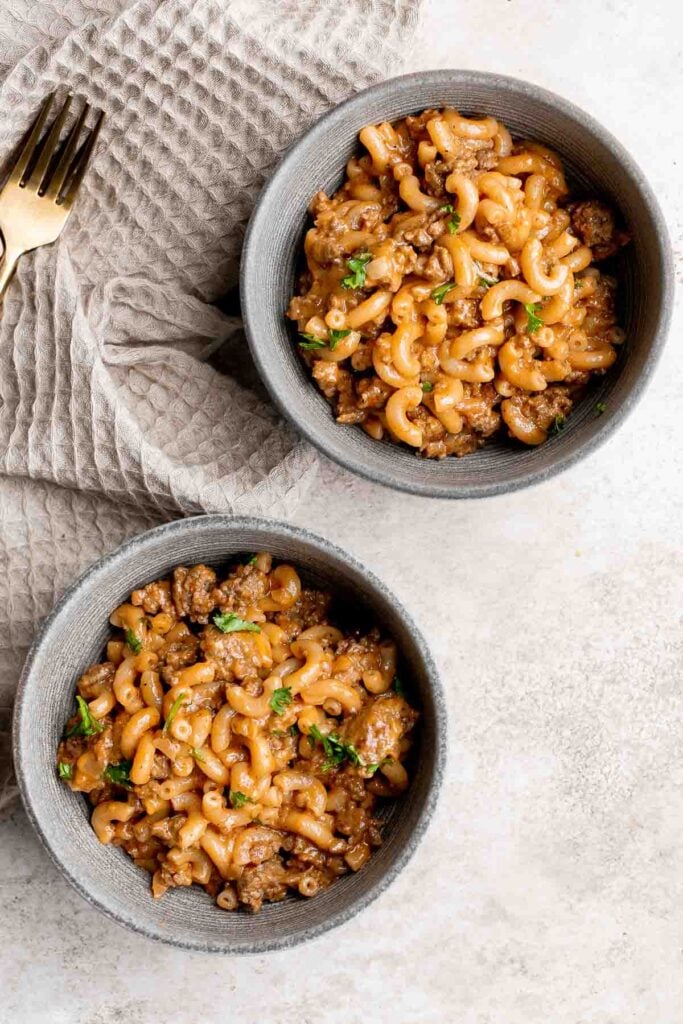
<point x="129" y="550"/>
<point x="608" y="425"/>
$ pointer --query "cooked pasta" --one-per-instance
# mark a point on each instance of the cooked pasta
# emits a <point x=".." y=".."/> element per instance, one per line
<point x="450" y="294"/>
<point x="236" y="738"/>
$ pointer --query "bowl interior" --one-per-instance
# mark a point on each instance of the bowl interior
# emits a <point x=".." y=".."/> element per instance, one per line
<point x="596" y="165"/>
<point x="73" y="638"/>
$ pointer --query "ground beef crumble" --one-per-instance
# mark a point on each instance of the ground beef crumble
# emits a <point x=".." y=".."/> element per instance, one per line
<point x="595" y="224"/>
<point x="193" y="592"/>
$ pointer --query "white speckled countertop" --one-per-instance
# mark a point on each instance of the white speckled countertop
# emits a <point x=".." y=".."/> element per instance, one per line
<point x="550" y="887"/>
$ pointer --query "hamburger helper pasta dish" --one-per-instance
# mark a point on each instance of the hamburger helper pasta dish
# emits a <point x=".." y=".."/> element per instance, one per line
<point x="450" y="292"/>
<point x="238" y="735"/>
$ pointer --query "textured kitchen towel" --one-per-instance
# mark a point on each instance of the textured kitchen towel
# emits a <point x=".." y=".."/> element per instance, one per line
<point x="126" y="397"/>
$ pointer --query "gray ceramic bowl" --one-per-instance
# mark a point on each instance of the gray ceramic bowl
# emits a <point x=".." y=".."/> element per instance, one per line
<point x="73" y="638"/>
<point x="596" y="165"/>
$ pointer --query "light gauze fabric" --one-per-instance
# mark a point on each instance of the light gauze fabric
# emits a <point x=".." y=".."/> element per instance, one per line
<point x="126" y="393"/>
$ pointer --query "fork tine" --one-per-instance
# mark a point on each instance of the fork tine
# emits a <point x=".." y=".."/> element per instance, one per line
<point x="29" y="149"/>
<point x="81" y="162"/>
<point x="60" y="172"/>
<point x="39" y="172"/>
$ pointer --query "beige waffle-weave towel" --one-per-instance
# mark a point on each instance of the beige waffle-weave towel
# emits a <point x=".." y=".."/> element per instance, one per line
<point x="126" y="397"/>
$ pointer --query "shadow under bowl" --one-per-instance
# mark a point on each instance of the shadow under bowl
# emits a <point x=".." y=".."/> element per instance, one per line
<point x="596" y="165"/>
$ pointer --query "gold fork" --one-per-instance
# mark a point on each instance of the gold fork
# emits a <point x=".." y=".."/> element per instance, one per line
<point x="39" y="194"/>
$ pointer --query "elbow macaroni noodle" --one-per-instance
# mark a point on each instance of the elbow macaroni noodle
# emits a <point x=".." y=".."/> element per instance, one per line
<point x="452" y="255"/>
<point x="236" y="738"/>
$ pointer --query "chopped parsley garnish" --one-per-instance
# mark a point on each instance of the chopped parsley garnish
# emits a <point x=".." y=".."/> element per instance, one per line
<point x="440" y="293"/>
<point x="533" y="320"/>
<point x="175" y="707"/>
<point x="197" y="754"/>
<point x="336" y="336"/>
<point x="133" y="641"/>
<point x="311" y="342"/>
<point x="335" y="750"/>
<point x="357" y="265"/>
<point x="87" y="726"/>
<point x="281" y="699"/>
<point x="453" y="222"/>
<point x="65" y="770"/>
<point x="228" y="622"/>
<point x="238" y="799"/>
<point x="252" y="560"/>
<point x="600" y="407"/>
<point x="333" y="339"/>
<point x="482" y="280"/>
<point x="282" y="733"/>
<point x="119" y="773"/>
<point x="427" y="386"/>
<point x="398" y="687"/>
<point x="558" y="424"/>
<point x="372" y="768"/>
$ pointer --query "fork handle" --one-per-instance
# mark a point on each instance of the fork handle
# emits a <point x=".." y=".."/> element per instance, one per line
<point x="7" y="267"/>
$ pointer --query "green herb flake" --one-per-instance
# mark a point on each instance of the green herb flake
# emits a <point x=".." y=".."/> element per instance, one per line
<point x="353" y="754"/>
<point x="357" y="265"/>
<point x="133" y="641"/>
<point x="238" y="799"/>
<point x="482" y="280"/>
<point x="336" y="336"/>
<point x="228" y="622"/>
<point x="197" y="754"/>
<point x="372" y="768"/>
<point x="252" y="560"/>
<point x="534" y="321"/>
<point x="558" y="425"/>
<point x="311" y="342"/>
<point x="398" y="687"/>
<point x="64" y="770"/>
<point x="453" y="223"/>
<point x="175" y="708"/>
<point x="281" y="699"/>
<point x="440" y="293"/>
<point x="119" y="773"/>
<point x="284" y="733"/>
<point x="335" y="750"/>
<point x="600" y="407"/>
<point x="427" y="386"/>
<point x="332" y="746"/>
<point x="87" y="725"/>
